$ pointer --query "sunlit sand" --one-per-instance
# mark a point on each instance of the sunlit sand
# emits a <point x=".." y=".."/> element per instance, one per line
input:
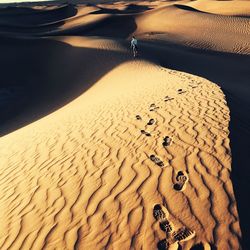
<point x="100" y="150"/>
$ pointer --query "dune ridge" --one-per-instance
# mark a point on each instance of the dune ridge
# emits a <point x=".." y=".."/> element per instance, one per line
<point x="109" y="138"/>
<point x="79" y="186"/>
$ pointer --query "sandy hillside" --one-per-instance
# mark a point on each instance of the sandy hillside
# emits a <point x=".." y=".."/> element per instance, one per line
<point x="100" y="150"/>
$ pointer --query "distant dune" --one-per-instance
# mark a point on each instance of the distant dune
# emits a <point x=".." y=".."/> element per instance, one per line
<point x="101" y="150"/>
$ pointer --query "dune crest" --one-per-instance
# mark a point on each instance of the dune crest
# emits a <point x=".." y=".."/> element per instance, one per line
<point x="92" y="183"/>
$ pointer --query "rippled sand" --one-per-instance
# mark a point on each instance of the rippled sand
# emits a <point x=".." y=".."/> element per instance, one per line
<point x="100" y="150"/>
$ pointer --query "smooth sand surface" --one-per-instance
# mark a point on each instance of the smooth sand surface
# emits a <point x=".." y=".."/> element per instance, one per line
<point x="100" y="150"/>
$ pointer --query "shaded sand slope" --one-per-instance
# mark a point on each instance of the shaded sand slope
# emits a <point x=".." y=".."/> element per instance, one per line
<point x="31" y="17"/>
<point x="89" y="174"/>
<point x="55" y="67"/>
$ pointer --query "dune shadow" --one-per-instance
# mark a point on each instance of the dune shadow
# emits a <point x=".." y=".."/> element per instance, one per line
<point x="107" y="11"/>
<point x="44" y="68"/>
<point x="130" y="9"/>
<point x="47" y="75"/>
<point x="133" y="8"/>
<point x="242" y="16"/>
<point x="50" y="22"/>
<point x="31" y="17"/>
<point x="34" y="22"/>
<point x="121" y="26"/>
<point x="188" y="8"/>
<point x="21" y="30"/>
<point x="231" y="72"/>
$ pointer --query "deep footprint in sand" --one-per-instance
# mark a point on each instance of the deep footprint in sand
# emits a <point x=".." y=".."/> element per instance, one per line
<point x="168" y="98"/>
<point x="166" y="141"/>
<point x="167" y="226"/>
<point x="160" y="213"/>
<point x="145" y="133"/>
<point x="193" y="87"/>
<point x="172" y="240"/>
<point x="151" y="122"/>
<point x="138" y="117"/>
<point x="183" y="234"/>
<point x="153" y="107"/>
<point x="156" y="160"/>
<point x="180" y="176"/>
<point x="181" y="91"/>
<point x="163" y="245"/>
<point x="181" y="179"/>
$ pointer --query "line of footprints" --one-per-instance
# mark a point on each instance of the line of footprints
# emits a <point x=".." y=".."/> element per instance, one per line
<point x="160" y="213"/>
<point x="173" y="237"/>
<point x="181" y="177"/>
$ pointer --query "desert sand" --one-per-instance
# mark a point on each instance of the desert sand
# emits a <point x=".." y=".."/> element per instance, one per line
<point x="101" y="150"/>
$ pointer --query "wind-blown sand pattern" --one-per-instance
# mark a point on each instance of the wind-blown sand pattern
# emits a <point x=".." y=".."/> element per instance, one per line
<point x="77" y="170"/>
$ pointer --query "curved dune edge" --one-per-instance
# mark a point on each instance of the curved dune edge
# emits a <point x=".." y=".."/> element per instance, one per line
<point x="82" y="177"/>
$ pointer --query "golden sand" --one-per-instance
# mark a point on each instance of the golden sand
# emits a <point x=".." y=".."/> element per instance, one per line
<point x="85" y="166"/>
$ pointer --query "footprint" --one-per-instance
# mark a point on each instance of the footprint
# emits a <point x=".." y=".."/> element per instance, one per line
<point x="168" y="244"/>
<point x="167" y="98"/>
<point x="173" y="238"/>
<point x="193" y="87"/>
<point x="171" y="242"/>
<point x="180" y="175"/>
<point x="167" y="226"/>
<point x="160" y="213"/>
<point x="181" y="91"/>
<point x="156" y="160"/>
<point x="151" y="122"/>
<point x="163" y="245"/>
<point x="166" y="141"/>
<point x="153" y="107"/>
<point x="183" y="234"/>
<point x="138" y="117"/>
<point x="181" y="179"/>
<point x="145" y="133"/>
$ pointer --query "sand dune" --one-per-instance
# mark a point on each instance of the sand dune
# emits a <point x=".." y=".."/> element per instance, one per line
<point x="176" y="25"/>
<point x="34" y="17"/>
<point x="210" y="31"/>
<point x="233" y="8"/>
<point x="103" y="151"/>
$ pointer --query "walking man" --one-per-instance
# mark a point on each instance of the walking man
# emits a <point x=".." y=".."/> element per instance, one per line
<point x="133" y="45"/>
